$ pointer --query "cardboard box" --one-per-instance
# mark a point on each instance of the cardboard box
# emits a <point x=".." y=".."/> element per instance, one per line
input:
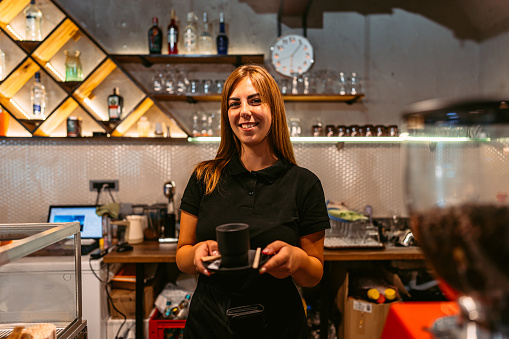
<point x="363" y="319"/>
<point x="125" y="302"/>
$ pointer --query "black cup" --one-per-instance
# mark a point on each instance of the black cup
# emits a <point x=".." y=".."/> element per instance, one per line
<point x="233" y="244"/>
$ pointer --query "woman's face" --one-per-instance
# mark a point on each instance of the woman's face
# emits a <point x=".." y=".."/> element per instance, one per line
<point x="250" y="119"/>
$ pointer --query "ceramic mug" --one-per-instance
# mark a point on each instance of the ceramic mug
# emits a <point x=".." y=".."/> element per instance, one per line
<point x="233" y="244"/>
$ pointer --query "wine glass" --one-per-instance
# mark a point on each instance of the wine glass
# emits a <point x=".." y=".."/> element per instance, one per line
<point x="457" y="165"/>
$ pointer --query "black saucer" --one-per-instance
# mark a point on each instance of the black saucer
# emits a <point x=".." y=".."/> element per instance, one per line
<point x="215" y="265"/>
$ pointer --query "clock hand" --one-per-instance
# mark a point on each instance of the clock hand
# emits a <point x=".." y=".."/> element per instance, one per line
<point x="296" y="49"/>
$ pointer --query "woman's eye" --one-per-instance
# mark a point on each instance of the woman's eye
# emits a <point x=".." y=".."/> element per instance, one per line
<point x="233" y="104"/>
<point x="256" y="101"/>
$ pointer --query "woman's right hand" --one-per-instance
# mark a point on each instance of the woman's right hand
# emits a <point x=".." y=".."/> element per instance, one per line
<point x="204" y="249"/>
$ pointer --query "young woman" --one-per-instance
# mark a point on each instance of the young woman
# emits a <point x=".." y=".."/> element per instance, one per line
<point x="254" y="179"/>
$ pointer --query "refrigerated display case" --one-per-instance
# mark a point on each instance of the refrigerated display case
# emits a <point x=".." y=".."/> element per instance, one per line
<point x="32" y="297"/>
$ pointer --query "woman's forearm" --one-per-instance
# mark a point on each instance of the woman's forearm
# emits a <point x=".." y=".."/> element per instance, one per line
<point x="310" y="271"/>
<point x="185" y="259"/>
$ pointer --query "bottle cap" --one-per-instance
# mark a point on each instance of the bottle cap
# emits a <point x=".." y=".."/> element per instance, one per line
<point x="390" y="293"/>
<point x="373" y="294"/>
<point x="155" y="20"/>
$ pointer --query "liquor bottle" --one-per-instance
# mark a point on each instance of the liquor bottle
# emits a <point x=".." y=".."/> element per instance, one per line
<point x="167" y="310"/>
<point x="205" y="44"/>
<point x="115" y="105"/>
<point x="33" y="17"/>
<point x="173" y="34"/>
<point x="38" y="98"/>
<point x="183" y="308"/>
<point x="190" y="34"/>
<point x="222" y="38"/>
<point x="155" y="37"/>
<point x="3" y="70"/>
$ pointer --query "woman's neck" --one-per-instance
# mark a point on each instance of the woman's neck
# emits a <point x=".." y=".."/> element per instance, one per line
<point x="255" y="159"/>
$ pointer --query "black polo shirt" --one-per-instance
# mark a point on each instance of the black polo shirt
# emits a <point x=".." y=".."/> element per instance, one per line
<point x="281" y="202"/>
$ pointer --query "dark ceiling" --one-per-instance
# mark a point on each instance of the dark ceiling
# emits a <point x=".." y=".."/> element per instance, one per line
<point x="468" y="19"/>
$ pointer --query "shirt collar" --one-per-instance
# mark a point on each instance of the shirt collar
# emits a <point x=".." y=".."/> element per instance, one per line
<point x="269" y="174"/>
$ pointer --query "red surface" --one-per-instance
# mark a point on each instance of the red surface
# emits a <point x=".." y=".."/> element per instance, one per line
<point x="156" y="326"/>
<point x="411" y="319"/>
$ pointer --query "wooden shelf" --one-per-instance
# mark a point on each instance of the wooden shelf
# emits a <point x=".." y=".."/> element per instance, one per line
<point x="58" y="38"/>
<point x="189" y="98"/>
<point x="151" y="59"/>
<point x="349" y="99"/>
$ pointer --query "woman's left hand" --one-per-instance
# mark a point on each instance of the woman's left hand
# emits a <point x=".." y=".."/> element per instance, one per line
<point x="285" y="260"/>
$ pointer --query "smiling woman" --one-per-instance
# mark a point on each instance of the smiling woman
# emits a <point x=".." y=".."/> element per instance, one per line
<point x="253" y="180"/>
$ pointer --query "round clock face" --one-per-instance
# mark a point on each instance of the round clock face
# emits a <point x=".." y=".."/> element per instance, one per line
<point x="291" y="55"/>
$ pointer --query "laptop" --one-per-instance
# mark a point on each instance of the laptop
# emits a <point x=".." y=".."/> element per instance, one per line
<point x="91" y="227"/>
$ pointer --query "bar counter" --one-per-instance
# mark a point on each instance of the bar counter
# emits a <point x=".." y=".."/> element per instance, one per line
<point x="155" y="252"/>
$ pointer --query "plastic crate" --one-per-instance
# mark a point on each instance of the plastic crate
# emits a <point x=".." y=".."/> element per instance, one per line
<point x="157" y="326"/>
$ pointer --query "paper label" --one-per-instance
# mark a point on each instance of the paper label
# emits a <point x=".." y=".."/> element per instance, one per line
<point x="362" y="306"/>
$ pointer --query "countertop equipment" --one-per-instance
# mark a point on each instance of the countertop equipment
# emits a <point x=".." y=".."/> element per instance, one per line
<point x="170" y="220"/>
<point x="457" y="167"/>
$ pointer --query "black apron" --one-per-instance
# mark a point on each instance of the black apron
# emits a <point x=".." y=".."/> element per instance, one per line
<point x="218" y="296"/>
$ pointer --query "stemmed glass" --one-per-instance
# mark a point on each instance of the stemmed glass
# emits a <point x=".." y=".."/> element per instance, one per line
<point x="459" y="216"/>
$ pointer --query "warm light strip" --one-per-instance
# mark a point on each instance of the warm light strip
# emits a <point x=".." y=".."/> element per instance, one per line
<point x="89" y="103"/>
<point x="347" y="139"/>
<point x="20" y="109"/>
<point x="60" y="76"/>
<point x="314" y="139"/>
<point x="401" y="138"/>
<point x="10" y="29"/>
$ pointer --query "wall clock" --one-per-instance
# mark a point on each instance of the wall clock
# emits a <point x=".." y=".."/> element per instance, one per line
<point x="291" y="55"/>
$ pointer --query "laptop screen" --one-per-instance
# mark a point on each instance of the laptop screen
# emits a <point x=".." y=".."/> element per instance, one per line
<point x="91" y="223"/>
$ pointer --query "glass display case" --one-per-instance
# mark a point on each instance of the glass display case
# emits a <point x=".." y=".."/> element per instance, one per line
<point x="29" y="298"/>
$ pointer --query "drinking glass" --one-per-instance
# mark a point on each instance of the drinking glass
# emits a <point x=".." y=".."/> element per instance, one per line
<point x="218" y="86"/>
<point x="354" y="85"/>
<point x="207" y="86"/>
<point x="158" y="82"/>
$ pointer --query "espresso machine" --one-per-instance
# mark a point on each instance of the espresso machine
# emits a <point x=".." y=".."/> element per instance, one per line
<point x="456" y="183"/>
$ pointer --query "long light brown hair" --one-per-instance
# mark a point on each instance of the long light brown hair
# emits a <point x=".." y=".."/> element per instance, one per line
<point x="279" y="137"/>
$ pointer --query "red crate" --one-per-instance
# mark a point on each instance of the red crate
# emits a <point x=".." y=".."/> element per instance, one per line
<point x="156" y="325"/>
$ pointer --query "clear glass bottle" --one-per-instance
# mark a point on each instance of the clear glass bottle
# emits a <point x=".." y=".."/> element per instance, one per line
<point x="173" y="34"/>
<point x="38" y="98"/>
<point x="155" y="37"/>
<point x="143" y="127"/>
<point x="33" y="18"/>
<point x="205" y="44"/>
<point x="222" y="38"/>
<point x="3" y="70"/>
<point x="115" y="105"/>
<point x="73" y="69"/>
<point x="190" y="34"/>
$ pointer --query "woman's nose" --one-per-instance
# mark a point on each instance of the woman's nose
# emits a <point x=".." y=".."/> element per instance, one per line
<point x="244" y="110"/>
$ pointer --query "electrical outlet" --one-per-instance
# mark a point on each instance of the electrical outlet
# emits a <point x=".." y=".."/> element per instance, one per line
<point x="96" y="185"/>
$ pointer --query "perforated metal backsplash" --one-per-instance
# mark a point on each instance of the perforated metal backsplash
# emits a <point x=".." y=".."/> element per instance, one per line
<point x="37" y="173"/>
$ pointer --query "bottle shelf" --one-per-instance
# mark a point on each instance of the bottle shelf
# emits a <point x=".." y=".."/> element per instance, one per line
<point x="349" y="99"/>
<point x="288" y="97"/>
<point x="151" y="59"/>
<point x="53" y="44"/>
<point x="28" y="46"/>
